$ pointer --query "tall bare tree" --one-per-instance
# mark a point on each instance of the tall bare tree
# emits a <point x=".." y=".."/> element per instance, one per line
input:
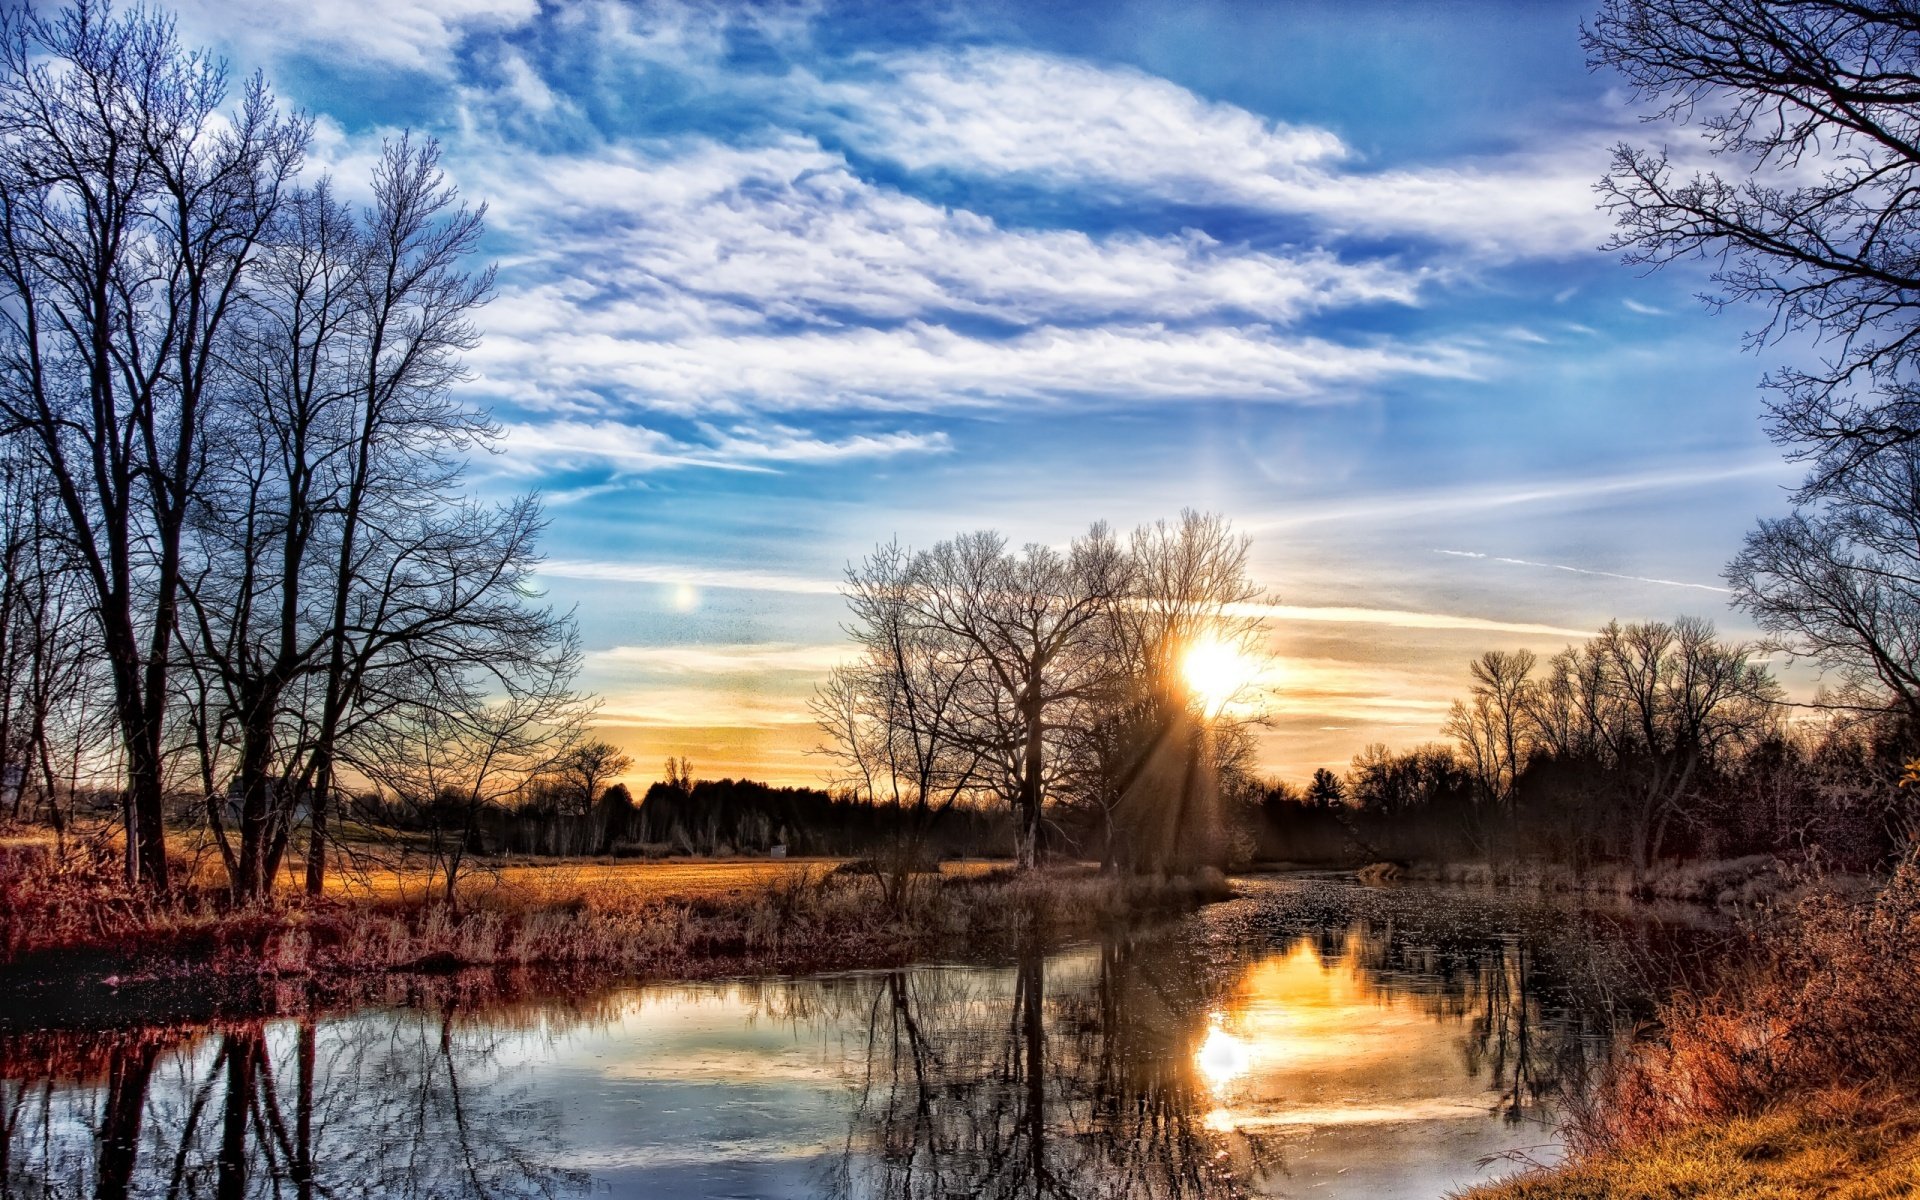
<point x="1030" y="619"/>
<point x="336" y="542"/>
<point x="1147" y="751"/>
<point x="901" y="718"/>
<point x="1491" y="723"/>
<point x="133" y="203"/>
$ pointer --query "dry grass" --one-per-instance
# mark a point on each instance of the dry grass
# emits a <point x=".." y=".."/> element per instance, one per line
<point x="535" y="879"/>
<point x="637" y="918"/>
<point x="1801" y="1068"/>
<point x="1789" y="1154"/>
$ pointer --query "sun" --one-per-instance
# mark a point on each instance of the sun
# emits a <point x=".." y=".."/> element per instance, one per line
<point x="1215" y="672"/>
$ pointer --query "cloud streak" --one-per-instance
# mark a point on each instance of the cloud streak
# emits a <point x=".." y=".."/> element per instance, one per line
<point x="1523" y="562"/>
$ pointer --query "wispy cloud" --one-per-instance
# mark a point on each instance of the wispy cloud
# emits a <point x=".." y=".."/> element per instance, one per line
<point x="631" y="448"/>
<point x="1394" y="506"/>
<point x="1402" y="619"/>
<point x="688" y="575"/>
<point x="789" y="232"/>
<point x="419" y="35"/>
<point x="693" y="277"/>
<point x="1068" y="123"/>
<point x="1523" y="562"/>
<point x="736" y="658"/>
<point x="921" y="367"/>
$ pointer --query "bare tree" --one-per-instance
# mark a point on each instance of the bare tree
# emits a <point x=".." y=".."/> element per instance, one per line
<point x="334" y="544"/>
<point x="1150" y="751"/>
<point x="133" y="202"/>
<point x="1812" y="109"/>
<point x="1838" y="581"/>
<point x="587" y="768"/>
<point x="1029" y="619"/>
<point x="1679" y="699"/>
<point x="51" y="695"/>
<point x="1043" y="676"/>
<point x="900" y="718"/>
<point x="1491" y="724"/>
<point x="472" y="739"/>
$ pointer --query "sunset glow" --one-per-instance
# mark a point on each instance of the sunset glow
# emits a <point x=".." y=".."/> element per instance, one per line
<point x="1217" y="673"/>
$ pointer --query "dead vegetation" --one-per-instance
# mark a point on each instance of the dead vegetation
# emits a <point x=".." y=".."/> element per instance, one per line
<point x="1797" y="1074"/>
<point x="682" y="920"/>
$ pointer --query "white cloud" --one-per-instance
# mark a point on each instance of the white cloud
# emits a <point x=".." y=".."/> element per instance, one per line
<point x="418" y="35"/>
<point x="693" y="277"/>
<point x="1426" y="504"/>
<point x="1065" y="123"/>
<point x="788" y="232"/>
<point x="628" y="448"/>
<point x="924" y="367"/>
<point x="1523" y="562"/>
<point x="1401" y="619"/>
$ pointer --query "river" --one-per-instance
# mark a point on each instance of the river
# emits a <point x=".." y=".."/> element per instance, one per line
<point x="1310" y="1039"/>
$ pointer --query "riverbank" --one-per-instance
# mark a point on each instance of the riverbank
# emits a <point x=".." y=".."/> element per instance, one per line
<point x="1755" y="881"/>
<point x="1780" y="1155"/>
<point x="1796" y="1073"/>
<point x="70" y="919"/>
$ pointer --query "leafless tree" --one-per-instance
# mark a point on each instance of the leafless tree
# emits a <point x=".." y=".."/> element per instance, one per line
<point x="1812" y="109"/>
<point x="1039" y="676"/>
<point x="587" y="768"/>
<point x="473" y="739"/>
<point x="336" y="543"/>
<point x="1029" y="620"/>
<point x="1838" y="581"/>
<point x="1148" y="751"/>
<point x="51" y="685"/>
<point x="1491" y="723"/>
<point x="133" y="203"/>
<point x="900" y="719"/>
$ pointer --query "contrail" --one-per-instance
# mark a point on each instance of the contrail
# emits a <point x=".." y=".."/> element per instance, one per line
<point x="1526" y="562"/>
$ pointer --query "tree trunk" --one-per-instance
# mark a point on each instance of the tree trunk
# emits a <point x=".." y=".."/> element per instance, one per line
<point x="1028" y="837"/>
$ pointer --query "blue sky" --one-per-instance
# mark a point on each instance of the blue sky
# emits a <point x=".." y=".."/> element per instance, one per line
<point x="778" y="282"/>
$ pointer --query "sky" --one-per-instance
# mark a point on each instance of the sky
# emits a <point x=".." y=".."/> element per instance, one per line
<point x="779" y="282"/>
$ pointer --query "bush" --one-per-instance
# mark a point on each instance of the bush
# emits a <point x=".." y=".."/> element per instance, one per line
<point x="1825" y="1003"/>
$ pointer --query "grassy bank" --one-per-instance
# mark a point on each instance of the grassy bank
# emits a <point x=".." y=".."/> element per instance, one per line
<point x="61" y="916"/>
<point x="1786" y="1154"/>
<point x="1798" y="1074"/>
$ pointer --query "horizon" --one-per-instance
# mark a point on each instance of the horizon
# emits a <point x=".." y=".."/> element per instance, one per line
<point x="778" y="285"/>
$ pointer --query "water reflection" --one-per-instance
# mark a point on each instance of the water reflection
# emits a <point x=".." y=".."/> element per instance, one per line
<point x="393" y="1103"/>
<point x="1311" y="1039"/>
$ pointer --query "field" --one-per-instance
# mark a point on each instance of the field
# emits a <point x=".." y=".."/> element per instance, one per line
<point x="679" y="918"/>
<point x="557" y="880"/>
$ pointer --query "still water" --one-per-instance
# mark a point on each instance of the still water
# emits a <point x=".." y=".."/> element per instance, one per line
<point x="1310" y="1039"/>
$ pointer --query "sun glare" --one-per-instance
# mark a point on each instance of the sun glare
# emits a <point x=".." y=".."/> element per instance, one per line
<point x="1216" y="672"/>
<point x="1222" y="1058"/>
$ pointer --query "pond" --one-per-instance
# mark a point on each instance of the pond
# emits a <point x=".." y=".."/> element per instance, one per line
<point x="1312" y="1038"/>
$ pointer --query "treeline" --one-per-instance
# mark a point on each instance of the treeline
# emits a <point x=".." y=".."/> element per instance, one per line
<point x="1650" y="741"/>
<point x="683" y="816"/>
<point x="242" y="572"/>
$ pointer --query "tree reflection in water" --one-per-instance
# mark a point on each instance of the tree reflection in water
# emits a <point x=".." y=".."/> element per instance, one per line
<point x="1265" y="1045"/>
<point x="1144" y="1068"/>
<point x="397" y="1103"/>
<point x="1078" y="1080"/>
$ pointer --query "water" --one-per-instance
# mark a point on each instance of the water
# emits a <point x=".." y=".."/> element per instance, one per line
<point x="1312" y="1039"/>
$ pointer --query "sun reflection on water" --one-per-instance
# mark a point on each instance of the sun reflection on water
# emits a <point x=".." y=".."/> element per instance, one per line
<point x="1222" y="1057"/>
